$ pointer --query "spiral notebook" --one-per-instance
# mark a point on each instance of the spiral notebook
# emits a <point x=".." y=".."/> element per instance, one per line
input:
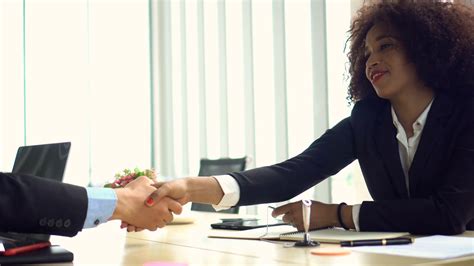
<point x="287" y="233"/>
<point x="336" y="235"/>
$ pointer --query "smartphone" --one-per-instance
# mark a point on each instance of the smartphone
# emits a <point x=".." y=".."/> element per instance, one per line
<point x="244" y="224"/>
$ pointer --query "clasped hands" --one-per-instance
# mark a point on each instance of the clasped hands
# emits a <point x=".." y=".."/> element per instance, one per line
<point x="132" y="209"/>
<point x="162" y="199"/>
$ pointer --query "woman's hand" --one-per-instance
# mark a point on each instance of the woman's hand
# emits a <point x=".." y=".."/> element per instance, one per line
<point x="183" y="190"/>
<point x="131" y="210"/>
<point x="322" y="215"/>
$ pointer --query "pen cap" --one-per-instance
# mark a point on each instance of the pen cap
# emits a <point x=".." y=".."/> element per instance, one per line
<point x="306" y="205"/>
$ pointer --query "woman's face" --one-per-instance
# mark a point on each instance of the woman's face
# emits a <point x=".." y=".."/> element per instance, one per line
<point x="387" y="67"/>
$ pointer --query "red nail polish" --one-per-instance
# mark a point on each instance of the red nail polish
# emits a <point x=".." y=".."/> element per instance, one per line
<point x="150" y="201"/>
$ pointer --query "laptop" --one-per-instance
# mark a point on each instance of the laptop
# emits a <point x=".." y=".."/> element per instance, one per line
<point x="46" y="161"/>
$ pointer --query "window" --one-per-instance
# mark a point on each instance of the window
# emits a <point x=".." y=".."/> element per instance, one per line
<point x="77" y="71"/>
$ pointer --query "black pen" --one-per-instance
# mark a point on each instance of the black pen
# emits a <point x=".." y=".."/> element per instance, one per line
<point x="377" y="242"/>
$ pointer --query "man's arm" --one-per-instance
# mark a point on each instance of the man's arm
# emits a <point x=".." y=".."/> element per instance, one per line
<point x="31" y="204"/>
<point x="100" y="207"/>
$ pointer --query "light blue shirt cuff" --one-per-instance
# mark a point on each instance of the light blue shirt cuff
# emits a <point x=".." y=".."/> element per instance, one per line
<point x="102" y="202"/>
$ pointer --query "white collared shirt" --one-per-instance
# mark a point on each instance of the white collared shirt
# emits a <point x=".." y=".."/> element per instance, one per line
<point x="406" y="146"/>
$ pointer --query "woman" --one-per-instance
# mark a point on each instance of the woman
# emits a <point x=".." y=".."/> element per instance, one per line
<point x="411" y="129"/>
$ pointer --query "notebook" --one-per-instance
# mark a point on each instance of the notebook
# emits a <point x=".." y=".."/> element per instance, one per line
<point x="47" y="161"/>
<point x="288" y="233"/>
<point x="336" y="235"/>
<point x="430" y="247"/>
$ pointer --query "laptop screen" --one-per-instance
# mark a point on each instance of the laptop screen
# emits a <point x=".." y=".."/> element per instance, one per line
<point x="45" y="160"/>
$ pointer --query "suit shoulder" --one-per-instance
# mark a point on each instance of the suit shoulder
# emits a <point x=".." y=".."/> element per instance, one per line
<point x="368" y="107"/>
<point x="464" y="106"/>
<point x="468" y="106"/>
<point x="469" y="103"/>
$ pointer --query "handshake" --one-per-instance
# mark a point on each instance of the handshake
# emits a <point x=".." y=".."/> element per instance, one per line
<point x="147" y="204"/>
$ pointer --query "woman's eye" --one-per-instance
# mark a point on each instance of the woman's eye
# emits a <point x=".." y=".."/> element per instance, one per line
<point x="385" y="46"/>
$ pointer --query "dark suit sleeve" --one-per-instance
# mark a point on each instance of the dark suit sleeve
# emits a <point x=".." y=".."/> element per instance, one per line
<point x="325" y="157"/>
<point x="447" y="210"/>
<point x="31" y="204"/>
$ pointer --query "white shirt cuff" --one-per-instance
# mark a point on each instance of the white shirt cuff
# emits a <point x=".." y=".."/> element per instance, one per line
<point x="231" y="190"/>
<point x="355" y="216"/>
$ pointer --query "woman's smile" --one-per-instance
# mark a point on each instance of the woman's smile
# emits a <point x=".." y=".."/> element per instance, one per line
<point x="376" y="76"/>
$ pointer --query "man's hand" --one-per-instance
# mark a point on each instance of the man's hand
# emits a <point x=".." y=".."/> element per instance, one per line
<point x="176" y="189"/>
<point x="322" y="215"/>
<point x="131" y="210"/>
<point x="203" y="189"/>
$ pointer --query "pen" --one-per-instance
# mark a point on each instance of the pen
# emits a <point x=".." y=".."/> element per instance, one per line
<point x="377" y="242"/>
<point x="27" y="248"/>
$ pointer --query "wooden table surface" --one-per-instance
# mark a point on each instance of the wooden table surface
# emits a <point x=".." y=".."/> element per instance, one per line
<point x="189" y="244"/>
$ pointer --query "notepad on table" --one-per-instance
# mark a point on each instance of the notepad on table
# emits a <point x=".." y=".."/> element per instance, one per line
<point x="430" y="247"/>
<point x="336" y="235"/>
<point x="286" y="232"/>
<point x="274" y="233"/>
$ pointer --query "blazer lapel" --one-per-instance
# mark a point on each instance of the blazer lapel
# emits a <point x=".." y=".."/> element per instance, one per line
<point x="433" y="132"/>
<point x="387" y="148"/>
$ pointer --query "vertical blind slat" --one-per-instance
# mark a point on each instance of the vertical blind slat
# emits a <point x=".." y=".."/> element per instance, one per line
<point x="184" y="91"/>
<point x="320" y="106"/>
<point x="223" y="79"/>
<point x="165" y="99"/>
<point x="279" y="54"/>
<point x="249" y="82"/>
<point x="202" y="80"/>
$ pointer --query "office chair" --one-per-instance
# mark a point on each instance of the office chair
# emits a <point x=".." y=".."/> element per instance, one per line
<point x="218" y="167"/>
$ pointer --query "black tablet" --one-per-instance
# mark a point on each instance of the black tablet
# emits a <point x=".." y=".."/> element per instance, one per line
<point x="244" y="224"/>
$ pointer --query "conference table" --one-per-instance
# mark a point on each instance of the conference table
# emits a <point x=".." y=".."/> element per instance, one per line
<point x="189" y="244"/>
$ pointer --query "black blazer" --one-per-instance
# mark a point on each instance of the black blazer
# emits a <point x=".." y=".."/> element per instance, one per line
<point x="441" y="176"/>
<point x="31" y="204"/>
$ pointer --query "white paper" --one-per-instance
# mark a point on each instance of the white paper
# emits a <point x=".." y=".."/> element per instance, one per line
<point x="2" y="248"/>
<point x="432" y="247"/>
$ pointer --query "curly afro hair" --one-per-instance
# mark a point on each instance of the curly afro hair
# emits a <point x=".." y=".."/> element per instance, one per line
<point x="438" y="38"/>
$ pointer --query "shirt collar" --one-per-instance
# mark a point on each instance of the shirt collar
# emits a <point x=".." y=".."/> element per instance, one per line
<point x="421" y="120"/>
